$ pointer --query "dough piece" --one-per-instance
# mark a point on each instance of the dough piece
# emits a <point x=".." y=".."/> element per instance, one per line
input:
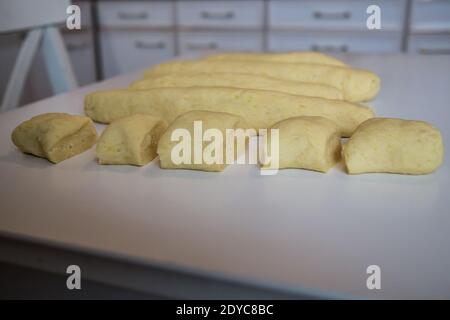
<point x="238" y="80"/>
<point x="355" y="84"/>
<point x="260" y="108"/>
<point x="290" y="57"/>
<point x="130" y="140"/>
<point x="209" y="120"/>
<point x="311" y="143"/>
<point x="55" y="136"/>
<point x="394" y="146"/>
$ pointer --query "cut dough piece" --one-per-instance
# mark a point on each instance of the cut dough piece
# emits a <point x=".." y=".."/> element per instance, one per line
<point x="394" y="146"/>
<point x="220" y="121"/>
<point x="260" y="108"/>
<point x="355" y="84"/>
<point x="291" y="57"/>
<point x="311" y="143"/>
<point x="55" y="136"/>
<point x="130" y="140"/>
<point x="238" y="80"/>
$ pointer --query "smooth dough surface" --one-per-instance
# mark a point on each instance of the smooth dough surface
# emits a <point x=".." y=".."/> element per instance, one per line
<point x="355" y="84"/>
<point x="130" y="140"/>
<point x="260" y="108"/>
<point x="55" y="136"/>
<point x="311" y="143"/>
<point x="291" y="57"/>
<point x="238" y="80"/>
<point x="209" y="120"/>
<point x="394" y="146"/>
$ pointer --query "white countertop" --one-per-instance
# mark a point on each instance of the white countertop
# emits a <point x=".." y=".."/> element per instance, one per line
<point x="298" y="229"/>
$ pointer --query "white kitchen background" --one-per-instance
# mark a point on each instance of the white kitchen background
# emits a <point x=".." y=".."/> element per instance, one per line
<point x="122" y="36"/>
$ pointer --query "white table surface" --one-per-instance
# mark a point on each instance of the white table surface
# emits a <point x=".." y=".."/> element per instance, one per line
<point x="298" y="229"/>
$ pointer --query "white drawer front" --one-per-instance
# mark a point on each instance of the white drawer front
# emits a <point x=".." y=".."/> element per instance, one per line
<point x="81" y="52"/>
<point x="124" y="51"/>
<point x="220" y="13"/>
<point x="430" y="15"/>
<point x="136" y="13"/>
<point x="193" y="43"/>
<point x="429" y="44"/>
<point x="331" y="14"/>
<point x="363" y="42"/>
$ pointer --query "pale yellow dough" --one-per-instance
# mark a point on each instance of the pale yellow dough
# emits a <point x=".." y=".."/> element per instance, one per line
<point x="238" y="80"/>
<point x="355" y="84"/>
<point x="311" y="143"/>
<point x="291" y="57"/>
<point x="260" y="108"/>
<point x="209" y="120"/>
<point x="130" y="140"/>
<point x="55" y="136"/>
<point x="394" y="146"/>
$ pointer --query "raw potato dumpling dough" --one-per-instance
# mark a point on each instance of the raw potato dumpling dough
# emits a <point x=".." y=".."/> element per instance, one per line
<point x="130" y="140"/>
<point x="290" y="57"/>
<point x="311" y="143"/>
<point x="238" y="80"/>
<point x="55" y="136"/>
<point x="395" y="146"/>
<point x="209" y="120"/>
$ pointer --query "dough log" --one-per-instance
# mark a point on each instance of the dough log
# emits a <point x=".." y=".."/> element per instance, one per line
<point x="260" y="108"/>
<point x="209" y="158"/>
<point x="355" y="84"/>
<point x="311" y="143"/>
<point x="55" y="136"/>
<point x="394" y="146"/>
<point x="290" y="57"/>
<point x="238" y="80"/>
<point x="130" y="140"/>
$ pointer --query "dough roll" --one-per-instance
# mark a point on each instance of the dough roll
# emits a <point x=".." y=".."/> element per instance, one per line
<point x="238" y="80"/>
<point x="355" y="84"/>
<point x="130" y="140"/>
<point x="55" y="136"/>
<point x="311" y="143"/>
<point x="394" y="146"/>
<point x="177" y="150"/>
<point x="260" y="108"/>
<point x="290" y="57"/>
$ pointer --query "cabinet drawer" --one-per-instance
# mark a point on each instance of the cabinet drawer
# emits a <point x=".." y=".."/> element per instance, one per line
<point x="429" y="44"/>
<point x="335" y="42"/>
<point x="124" y="51"/>
<point x="220" y="13"/>
<point x="135" y="13"/>
<point x="335" y="15"/>
<point x="193" y="43"/>
<point x="430" y="15"/>
<point x="81" y="51"/>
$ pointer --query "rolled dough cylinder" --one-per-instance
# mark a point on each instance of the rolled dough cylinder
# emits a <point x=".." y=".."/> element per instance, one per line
<point x="238" y="80"/>
<point x="394" y="146"/>
<point x="130" y="140"/>
<point x="291" y="57"/>
<point x="355" y="84"/>
<point x="220" y="121"/>
<point x="55" y="136"/>
<point x="311" y="143"/>
<point x="260" y="108"/>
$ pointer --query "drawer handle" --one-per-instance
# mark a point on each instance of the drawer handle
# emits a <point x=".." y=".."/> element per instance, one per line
<point x="329" y="48"/>
<point x="132" y="16"/>
<point x="149" y="45"/>
<point x="77" y="46"/>
<point x="227" y="15"/>
<point x="434" y="51"/>
<point x="332" y="15"/>
<point x="202" y="46"/>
